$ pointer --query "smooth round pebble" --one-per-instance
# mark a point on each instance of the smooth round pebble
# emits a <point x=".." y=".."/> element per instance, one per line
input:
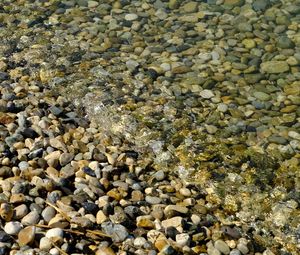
<point x="13" y="227"/>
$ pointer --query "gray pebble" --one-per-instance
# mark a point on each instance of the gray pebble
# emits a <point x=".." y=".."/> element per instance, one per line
<point x="222" y="246"/>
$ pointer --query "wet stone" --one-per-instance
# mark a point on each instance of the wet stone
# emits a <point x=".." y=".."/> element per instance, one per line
<point x="274" y="67"/>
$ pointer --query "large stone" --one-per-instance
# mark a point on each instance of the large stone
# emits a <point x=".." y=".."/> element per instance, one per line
<point x="274" y="67"/>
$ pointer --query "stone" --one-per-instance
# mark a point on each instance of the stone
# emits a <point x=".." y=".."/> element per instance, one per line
<point x="173" y="222"/>
<point x="261" y="96"/>
<point x="207" y="94"/>
<point x="139" y="242"/>
<point x="174" y="4"/>
<point x="26" y="235"/>
<point x="185" y="192"/>
<point x="242" y="248"/>
<point x="177" y="208"/>
<point x="13" y="227"/>
<point x="221" y="246"/>
<point x="213" y="251"/>
<point x="183" y="239"/>
<point x="159" y="175"/>
<point x="190" y="7"/>
<point x="153" y="200"/>
<point x="235" y="252"/>
<point x="65" y="158"/>
<point x="145" y="222"/>
<point x="260" y="5"/>
<point x="31" y="218"/>
<point x="249" y="43"/>
<point x="131" y="17"/>
<point x="284" y="42"/>
<point x="55" y="234"/>
<point x="100" y="217"/>
<point x="45" y="244"/>
<point x="92" y="4"/>
<point x="48" y="213"/>
<point x="234" y="3"/>
<point x="117" y="232"/>
<point x="20" y="211"/>
<point x="274" y="67"/>
<point x="105" y="251"/>
<point x="6" y="211"/>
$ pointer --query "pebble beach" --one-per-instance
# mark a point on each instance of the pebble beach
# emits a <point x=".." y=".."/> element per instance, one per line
<point x="150" y="127"/>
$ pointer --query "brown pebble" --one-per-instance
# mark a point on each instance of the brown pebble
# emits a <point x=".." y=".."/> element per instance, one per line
<point x="6" y="211"/>
<point x="26" y="235"/>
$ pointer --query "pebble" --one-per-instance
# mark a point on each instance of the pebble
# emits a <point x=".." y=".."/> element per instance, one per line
<point x="31" y="218"/>
<point x="13" y="227"/>
<point x="26" y="235"/>
<point x="55" y="234"/>
<point x="207" y="94"/>
<point x="153" y="200"/>
<point x="116" y="231"/>
<point x="222" y="246"/>
<point x="131" y="16"/>
<point x="48" y="213"/>
<point x="45" y="244"/>
<point x="274" y="67"/>
<point x="183" y="239"/>
<point x="172" y="222"/>
<point x="243" y="248"/>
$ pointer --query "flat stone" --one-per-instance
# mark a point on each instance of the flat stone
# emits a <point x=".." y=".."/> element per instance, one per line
<point x="117" y="232"/>
<point x="261" y="96"/>
<point x="92" y="4"/>
<point x="153" y="200"/>
<point x="274" y="67"/>
<point x="177" y="208"/>
<point x="207" y="94"/>
<point x="234" y="3"/>
<point x="172" y="222"/>
<point x="131" y="16"/>
<point x="26" y="235"/>
<point x="260" y="5"/>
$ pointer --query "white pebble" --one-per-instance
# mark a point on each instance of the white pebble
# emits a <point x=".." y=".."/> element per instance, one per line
<point x="55" y="232"/>
<point x="207" y="94"/>
<point x="13" y="227"/>
<point x="183" y="239"/>
<point x="131" y="16"/>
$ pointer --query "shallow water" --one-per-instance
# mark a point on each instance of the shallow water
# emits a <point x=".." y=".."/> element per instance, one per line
<point x="209" y="90"/>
